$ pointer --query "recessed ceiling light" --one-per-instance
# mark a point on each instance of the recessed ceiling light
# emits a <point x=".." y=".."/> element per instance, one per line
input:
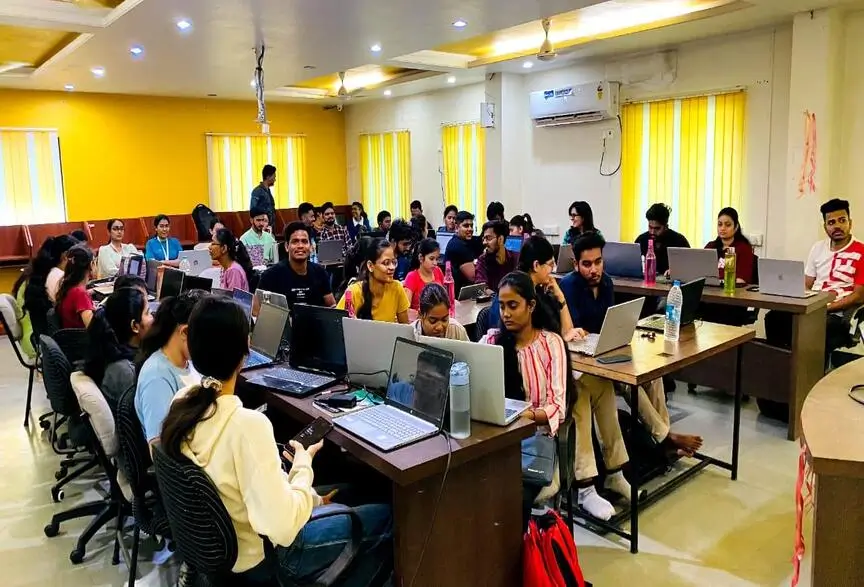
<point x="528" y="64"/>
<point x="460" y="24"/>
<point x="451" y="79"/>
<point x="68" y="87"/>
<point x="376" y="48"/>
<point x="136" y="50"/>
<point x="388" y="93"/>
<point x="184" y="24"/>
<point x="98" y="71"/>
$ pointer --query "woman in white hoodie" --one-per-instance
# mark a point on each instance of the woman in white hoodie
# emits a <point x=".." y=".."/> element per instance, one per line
<point x="236" y="447"/>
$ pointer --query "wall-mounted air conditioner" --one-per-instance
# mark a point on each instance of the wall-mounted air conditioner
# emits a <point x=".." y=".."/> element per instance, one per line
<point x="591" y="102"/>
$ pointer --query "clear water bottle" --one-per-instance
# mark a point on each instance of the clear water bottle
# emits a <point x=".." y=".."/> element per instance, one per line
<point x="313" y="252"/>
<point x="674" y="301"/>
<point x="185" y="266"/>
<point x="450" y="284"/>
<point x="460" y="400"/>
<point x="650" y="264"/>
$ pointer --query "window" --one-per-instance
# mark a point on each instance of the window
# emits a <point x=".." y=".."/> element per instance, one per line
<point x="31" y="177"/>
<point x="687" y="153"/>
<point x="385" y="172"/>
<point x="235" y="162"/>
<point x="464" y="147"/>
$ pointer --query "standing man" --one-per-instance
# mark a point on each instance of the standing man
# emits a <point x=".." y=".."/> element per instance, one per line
<point x="259" y="239"/>
<point x="298" y="279"/>
<point x="497" y="261"/>
<point x="460" y="253"/>
<point x="262" y="197"/>
<point x="384" y="221"/>
<point x="332" y="230"/>
<point x="664" y="237"/>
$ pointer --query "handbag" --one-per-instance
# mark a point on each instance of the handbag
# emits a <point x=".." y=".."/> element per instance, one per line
<point x="538" y="460"/>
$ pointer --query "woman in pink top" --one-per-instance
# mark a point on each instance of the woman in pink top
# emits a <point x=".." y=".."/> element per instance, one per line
<point x="232" y="256"/>
<point x="424" y="265"/>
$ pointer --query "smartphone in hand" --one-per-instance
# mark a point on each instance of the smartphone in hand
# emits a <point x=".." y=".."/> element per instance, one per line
<point x="312" y="434"/>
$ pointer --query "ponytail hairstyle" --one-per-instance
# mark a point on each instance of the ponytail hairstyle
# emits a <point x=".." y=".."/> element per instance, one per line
<point x="110" y="331"/>
<point x="372" y="253"/>
<point x="236" y="251"/>
<point x="79" y="262"/>
<point x="49" y="256"/>
<point x="173" y="312"/>
<point x="425" y="247"/>
<point x="433" y="294"/>
<point x="524" y="222"/>
<point x="213" y="319"/>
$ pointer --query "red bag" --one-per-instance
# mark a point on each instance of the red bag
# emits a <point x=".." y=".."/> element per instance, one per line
<point x="549" y="554"/>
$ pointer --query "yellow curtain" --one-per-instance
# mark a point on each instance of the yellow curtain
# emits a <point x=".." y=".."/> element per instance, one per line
<point x="31" y="178"/>
<point x="687" y="153"/>
<point x="464" y="154"/>
<point x="235" y="164"/>
<point x="385" y="172"/>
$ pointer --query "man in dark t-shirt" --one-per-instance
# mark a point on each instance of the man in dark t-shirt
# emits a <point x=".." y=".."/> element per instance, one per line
<point x="460" y="252"/>
<point x="664" y="237"/>
<point x="300" y="281"/>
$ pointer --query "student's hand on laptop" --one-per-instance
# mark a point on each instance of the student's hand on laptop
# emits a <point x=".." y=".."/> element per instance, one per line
<point x="575" y="334"/>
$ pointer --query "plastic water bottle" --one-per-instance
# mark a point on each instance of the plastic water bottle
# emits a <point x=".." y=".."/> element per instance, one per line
<point x="729" y="271"/>
<point x="450" y="284"/>
<point x="349" y="303"/>
<point x="460" y="400"/>
<point x="650" y="264"/>
<point x="674" y="301"/>
<point x="313" y="252"/>
<point x="185" y="266"/>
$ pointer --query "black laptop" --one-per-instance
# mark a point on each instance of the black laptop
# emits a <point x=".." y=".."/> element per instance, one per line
<point x="691" y="293"/>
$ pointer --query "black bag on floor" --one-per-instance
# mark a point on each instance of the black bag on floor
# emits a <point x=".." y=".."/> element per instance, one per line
<point x="649" y="456"/>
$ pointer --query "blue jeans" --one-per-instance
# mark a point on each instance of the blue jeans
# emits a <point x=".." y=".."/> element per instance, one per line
<point x="321" y="541"/>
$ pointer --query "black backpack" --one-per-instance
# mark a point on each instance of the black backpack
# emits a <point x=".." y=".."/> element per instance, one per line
<point x="648" y="455"/>
<point x="202" y="216"/>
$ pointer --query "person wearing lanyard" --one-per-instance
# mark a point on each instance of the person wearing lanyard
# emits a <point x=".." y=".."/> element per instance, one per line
<point x="162" y="247"/>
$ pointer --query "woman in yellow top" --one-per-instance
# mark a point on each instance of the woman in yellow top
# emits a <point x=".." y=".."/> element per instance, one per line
<point x="377" y="296"/>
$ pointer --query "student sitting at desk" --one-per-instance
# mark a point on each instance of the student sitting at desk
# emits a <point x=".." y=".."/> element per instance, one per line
<point x="259" y="240"/>
<point x="237" y="449"/>
<point x="663" y="236"/>
<point x="401" y="236"/>
<point x="163" y="362"/>
<point x="589" y="294"/>
<point x="729" y="235"/>
<point x="424" y="269"/>
<point x="162" y="247"/>
<point x="60" y="246"/>
<point x="460" y="251"/>
<point x="237" y="271"/>
<point x="111" y="255"/>
<point x="384" y="220"/>
<point x="378" y="296"/>
<point x="74" y="304"/>
<point x="581" y="221"/>
<point x="521" y="225"/>
<point x="450" y="213"/>
<point x="496" y="261"/>
<point x="434" y="319"/>
<point x="114" y="336"/>
<point x="296" y="277"/>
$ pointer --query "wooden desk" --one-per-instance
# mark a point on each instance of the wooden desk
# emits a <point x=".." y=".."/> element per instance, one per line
<point x="477" y="533"/>
<point x="769" y="372"/>
<point x="651" y="361"/>
<point x="833" y="430"/>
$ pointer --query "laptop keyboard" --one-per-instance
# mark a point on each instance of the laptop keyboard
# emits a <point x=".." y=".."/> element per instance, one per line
<point x="256" y="359"/>
<point x="394" y="425"/>
<point x="309" y="380"/>
<point x="586" y="346"/>
<point x="653" y="323"/>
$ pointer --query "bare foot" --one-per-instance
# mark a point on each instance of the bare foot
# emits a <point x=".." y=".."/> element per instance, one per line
<point x="686" y="443"/>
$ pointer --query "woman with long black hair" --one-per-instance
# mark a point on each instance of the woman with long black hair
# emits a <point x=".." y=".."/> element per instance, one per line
<point x="581" y="221"/>
<point x="236" y="447"/>
<point x="377" y="295"/>
<point x="74" y="304"/>
<point x="424" y="269"/>
<point x="231" y="254"/>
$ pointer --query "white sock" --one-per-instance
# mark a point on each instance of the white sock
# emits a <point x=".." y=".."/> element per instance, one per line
<point x="617" y="483"/>
<point x="589" y="500"/>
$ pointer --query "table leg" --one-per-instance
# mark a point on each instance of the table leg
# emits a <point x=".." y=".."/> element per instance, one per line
<point x="634" y="484"/>
<point x="736" y="417"/>
<point x="477" y="534"/>
<point x="807" y="363"/>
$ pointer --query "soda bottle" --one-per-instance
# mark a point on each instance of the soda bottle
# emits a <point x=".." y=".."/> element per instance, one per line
<point x="349" y="304"/>
<point x="450" y="284"/>
<point x="729" y="271"/>
<point x="650" y="264"/>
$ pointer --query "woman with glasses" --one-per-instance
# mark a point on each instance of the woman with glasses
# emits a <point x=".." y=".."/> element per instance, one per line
<point x="581" y="221"/>
<point x="163" y="247"/>
<point x="377" y="295"/>
<point x="111" y="255"/>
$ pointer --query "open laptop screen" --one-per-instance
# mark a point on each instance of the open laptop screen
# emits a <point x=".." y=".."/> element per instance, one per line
<point x="244" y="298"/>
<point x="267" y="336"/>
<point x="443" y="239"/>
<point x="172" y="281"/>
<point x="514" y="243"/>
<point x="420" y="380"/>
<point x="317" y="339"/>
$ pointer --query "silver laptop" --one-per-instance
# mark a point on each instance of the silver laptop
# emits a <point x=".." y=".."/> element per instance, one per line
<point x="417" y="393"/>
<point x="469" y="292"/>
<point x="267" y="337"/>
<point x="616" y="332"/>
<point x="330" y="252"/>
<point x="262" y="296"/>
<point x="369" y="349"/>
<point x="486" y="362"/>
<point x="783" y="278"/>
<point x="623" y="260"/>
<point x="566" y="261"/>
<point x="198" y="260"/>
<point x="444" y="239"/>
<point x="689" y="264"/>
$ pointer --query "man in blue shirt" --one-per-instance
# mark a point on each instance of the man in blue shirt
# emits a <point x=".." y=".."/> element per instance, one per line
<point x="262" y="197"/>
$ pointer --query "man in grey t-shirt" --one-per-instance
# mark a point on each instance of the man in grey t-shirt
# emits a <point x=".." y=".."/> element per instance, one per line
<point x="262" y="197"/>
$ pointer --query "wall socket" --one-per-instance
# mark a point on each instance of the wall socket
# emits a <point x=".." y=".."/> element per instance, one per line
<point x="756" y="239"/>
<point x="607" y="134"/>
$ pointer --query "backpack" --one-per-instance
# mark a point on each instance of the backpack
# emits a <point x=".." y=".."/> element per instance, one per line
<point x="549" y="556"/>
<point x="649" y="456"/>
<point x="201" y="216"/>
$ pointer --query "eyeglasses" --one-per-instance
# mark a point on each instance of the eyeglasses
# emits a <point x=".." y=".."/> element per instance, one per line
<point x="489" y="238"/>
<point x="118" y="228"/>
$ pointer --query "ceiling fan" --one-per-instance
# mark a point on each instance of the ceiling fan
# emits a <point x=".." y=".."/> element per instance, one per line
<point x="342" y="94"/>
<point x="547" y="50"/>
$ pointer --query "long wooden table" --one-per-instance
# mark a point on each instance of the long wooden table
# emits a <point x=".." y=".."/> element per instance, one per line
<point x="652" y="359"/>
<point x="475" y="531"/>
<point x="769" y="372"/>
<point x="833" y="431"/>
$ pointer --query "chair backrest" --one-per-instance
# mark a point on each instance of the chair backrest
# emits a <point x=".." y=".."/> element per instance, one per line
<point x="56" y="371"/>
<point x="200" y="524"/>
<point x="481" y="325"/>
<point x="52" y="322"/>
<point x="93" y="403"/>
<point x="133" y="451"/>
<point x="755" y="277"/>
<point x="73" y="342"/>
<point x="12" y="316"/>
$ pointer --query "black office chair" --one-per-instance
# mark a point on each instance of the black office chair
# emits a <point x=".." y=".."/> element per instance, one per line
<point x="134" y="460"/>
<point x="73" y="342"/>
<point x="12" y="328"/>
<point x="482" y="325"/>
<point x="565" y="444"/>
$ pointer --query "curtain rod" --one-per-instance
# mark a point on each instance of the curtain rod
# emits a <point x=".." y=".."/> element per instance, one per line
<point x="383" y="132"/>
<point x="26" y="129"/>
<point x="240" y="134"/>
<point x="699" y="94"/>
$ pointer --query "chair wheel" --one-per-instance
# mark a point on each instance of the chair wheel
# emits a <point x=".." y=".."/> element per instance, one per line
<point x="51" y="530"/>
<point x="57" y="495"/>
<point x="44" y="424"/>
<point x="76" y="556"/>
<point x="61" y="473"/>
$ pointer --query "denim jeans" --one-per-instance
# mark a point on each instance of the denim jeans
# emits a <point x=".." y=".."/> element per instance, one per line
<point x="321" y="541"/>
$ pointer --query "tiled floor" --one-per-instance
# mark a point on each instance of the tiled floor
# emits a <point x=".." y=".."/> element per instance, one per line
<point x="710" y="532"/>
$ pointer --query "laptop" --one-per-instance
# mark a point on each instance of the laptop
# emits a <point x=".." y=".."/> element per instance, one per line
<point x="486" y="362"/>
<point x="566" y="261"/>
<point x="616" y="332"/>
<point x="198" y="260"/>
<point x="623" y="260"/>
<point x="444" y="239"/>
<point x="266" y="339"/>
<point x="783" y="278"/>
<point x="191" y="282"/>
<point x="330" y="252"/>
<point x="689" y="264"/>
<point x="513" y="243"/>
<point x="244" y="298"/>
<point x="369" y="349"/>
<point x="417" y="393"/>
<point x="469" y="292"/>
<point x="262" y="296"/>
<point x="172" y="283"/>
<point x="222" y="293"/>
<point x="691" y="294"/>
<point x="152" y="275"/>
